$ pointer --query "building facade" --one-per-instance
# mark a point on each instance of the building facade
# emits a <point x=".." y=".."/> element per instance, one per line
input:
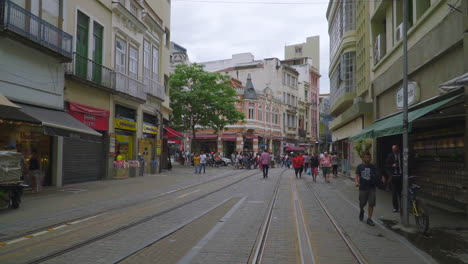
<point x="437" y="71"/>
<point x="279" y="81"/>
<point x="90" y="81"/>
<point x="350" y="108"/>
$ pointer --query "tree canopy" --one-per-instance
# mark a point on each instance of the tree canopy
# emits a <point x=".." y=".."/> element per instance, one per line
<point x="202" y="99"/>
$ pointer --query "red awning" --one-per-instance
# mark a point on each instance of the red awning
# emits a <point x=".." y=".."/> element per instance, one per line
<point x="295" y="148"/>
<point x="172" y="133"/>
<point x="176" y="141"/>
<point x="93" y="117"/>
<point x="80" y="108"/>
<point x="206" y="136"/>
<point x="251" y="137"/>
<point x="229" y="137"/>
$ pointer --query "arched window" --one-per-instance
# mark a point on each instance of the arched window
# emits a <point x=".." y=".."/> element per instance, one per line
<point x="260" y="113"/>
<point x="251" y="111"/>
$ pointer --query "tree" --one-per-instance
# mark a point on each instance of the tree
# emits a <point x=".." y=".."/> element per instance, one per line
<point x="202" y="99"/>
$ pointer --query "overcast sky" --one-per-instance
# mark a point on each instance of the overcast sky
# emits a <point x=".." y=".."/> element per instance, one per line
<point x="215" y="31"/>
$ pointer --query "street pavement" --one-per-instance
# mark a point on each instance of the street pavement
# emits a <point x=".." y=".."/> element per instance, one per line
<point x="190" y="220"/>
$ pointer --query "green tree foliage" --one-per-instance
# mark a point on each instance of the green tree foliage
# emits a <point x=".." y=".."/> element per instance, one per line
<point x="363" y="146"/>
<point x="200" y="98"/>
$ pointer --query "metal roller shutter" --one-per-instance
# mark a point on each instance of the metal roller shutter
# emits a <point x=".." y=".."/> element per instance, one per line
<point x="82" y="161"/>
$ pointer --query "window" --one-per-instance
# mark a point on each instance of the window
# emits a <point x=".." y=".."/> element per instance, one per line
<point x="298" y="49"/>
<point x="155" y="63"/>
<point x="348" y="64"/>
<point x="51" y="11"/>
<point x="146" y="59"/>
<point x="97" y="42"/>
<point x="349" y="15"/>
<point x="251" y="111"/>
<point x="133" y="10"/>
<point x="267" y="115"/>
<point x="306" y="95"/>
<point x="120" y="56"/>
<point x="133" y="63"/>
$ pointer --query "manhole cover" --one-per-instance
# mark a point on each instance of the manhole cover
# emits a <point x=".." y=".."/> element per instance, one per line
<point x="73" y="190"/>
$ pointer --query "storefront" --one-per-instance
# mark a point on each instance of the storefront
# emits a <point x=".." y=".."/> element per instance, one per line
<point x="147" y="144"/>
<point x="436" y="147"/>
<point x="84" y="160"/>
<point x="125" y="128"/>
<point x="205" y="143"/>
<point x="229" y="144"/>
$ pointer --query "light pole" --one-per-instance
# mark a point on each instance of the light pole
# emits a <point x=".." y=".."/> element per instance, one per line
<point x="404" y="197"/>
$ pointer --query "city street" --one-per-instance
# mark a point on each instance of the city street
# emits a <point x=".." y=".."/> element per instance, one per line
<point x="223" y="216"/>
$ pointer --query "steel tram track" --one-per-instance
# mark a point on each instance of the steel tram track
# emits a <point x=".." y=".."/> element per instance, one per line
<point x="354" y="250"/>
<point x="112" y="209"/>
<point x="133" y="224"/>
<point x="257" y="251"/>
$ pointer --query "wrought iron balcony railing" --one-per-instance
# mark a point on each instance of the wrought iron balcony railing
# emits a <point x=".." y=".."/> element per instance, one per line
<point x="154" y="88"/>
<point x="22" y="22"/>
<point x="128" y="85"/>
<point x="89" y="70"/>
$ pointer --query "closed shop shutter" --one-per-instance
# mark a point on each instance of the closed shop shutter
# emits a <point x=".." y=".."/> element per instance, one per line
<point x="82" y="161"/>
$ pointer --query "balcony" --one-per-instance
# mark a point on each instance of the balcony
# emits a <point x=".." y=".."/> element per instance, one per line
<point x="357" y="109"/>
<point x="89" y="71"/>
<point x="34" y="31"/>
<point x="128" y="85"/>
<point x="302" y="133"/>
<point x="291" y="130"/>
<point x="341" y="99"/>
<point x="154" y="88"/>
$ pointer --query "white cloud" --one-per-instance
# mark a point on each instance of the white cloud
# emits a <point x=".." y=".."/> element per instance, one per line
<point x="215" y="31"/>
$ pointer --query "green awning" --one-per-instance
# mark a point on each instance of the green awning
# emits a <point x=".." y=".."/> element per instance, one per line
<point x="394" y="125"/>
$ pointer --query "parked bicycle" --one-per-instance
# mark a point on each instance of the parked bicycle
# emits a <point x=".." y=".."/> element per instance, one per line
<point x="417" y="207"/>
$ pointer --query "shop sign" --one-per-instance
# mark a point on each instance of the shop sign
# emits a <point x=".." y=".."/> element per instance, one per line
<point x="413" y="95"/>
<point x="149" y="129"/>
<point x="125" y="124"/>
<point x="158" y="151"/>
<point x="159" y="142"/>
<point x="94" y="118"/>
<point x="112" y="144"/>
<point x="173" y="141"/>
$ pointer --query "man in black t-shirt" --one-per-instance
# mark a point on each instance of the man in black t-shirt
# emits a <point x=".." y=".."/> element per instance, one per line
<point x="366" y="179"/>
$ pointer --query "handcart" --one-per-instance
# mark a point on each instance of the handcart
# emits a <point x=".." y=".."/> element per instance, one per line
<point x="11" y="183"/>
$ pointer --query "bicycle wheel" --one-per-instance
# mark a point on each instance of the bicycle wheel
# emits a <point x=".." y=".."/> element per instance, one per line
<point x="422" y="218"/>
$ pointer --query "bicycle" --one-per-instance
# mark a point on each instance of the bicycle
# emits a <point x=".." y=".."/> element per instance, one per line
<point x="417" y="208"/>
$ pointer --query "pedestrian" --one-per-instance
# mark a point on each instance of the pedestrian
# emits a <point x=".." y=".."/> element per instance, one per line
<point x="35" y="173"/>
<point x="265" y="160"/>
<point x="394" y="170"/>
<point x="306" y="162"/>
<point x="298" y="165"/>
<point x="325" y="163"/>
<point x="367" y="178"/>
<point x="203" y="159"/>
<point x="196" y="163"/>
<point x="335" y="162"/>
<point x="314" y="164"/>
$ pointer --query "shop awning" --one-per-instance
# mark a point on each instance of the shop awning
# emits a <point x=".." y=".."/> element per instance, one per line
<point x="229" y="137"/>
<point x="454" y="84"/>
<point x="93" y="117"/>
<point x="10" y="111"/>
<point x="206" y="136"/>
<point x="172" y="133"/>
<point x="59" y="123"/>
<point x="394" y="125"/>
<point x="295" y="148"/>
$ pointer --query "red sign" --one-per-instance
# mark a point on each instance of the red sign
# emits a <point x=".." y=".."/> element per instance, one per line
<point x="173" y="142"/>
<point x="93" y="117"/>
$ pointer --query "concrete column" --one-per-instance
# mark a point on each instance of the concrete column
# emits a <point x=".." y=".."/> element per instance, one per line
<point x="57" y="170"/>
<point x="239" y="143"/>
<point x="220" y="145"/>
<point x="255" y="145"/>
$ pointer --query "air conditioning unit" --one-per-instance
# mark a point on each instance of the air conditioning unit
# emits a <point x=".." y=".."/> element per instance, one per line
<point x="379" y="48"/>
<point x="399" y="33"/>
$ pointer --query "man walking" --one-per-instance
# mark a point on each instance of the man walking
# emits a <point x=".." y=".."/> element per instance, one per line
<point x="315" y="163"/>
<point x="196" y="163"/>
<point x="265" y="160"/>
<point x="366" y="179"/>
<point x="298" y="164"/>
<point x="393" y="166"/>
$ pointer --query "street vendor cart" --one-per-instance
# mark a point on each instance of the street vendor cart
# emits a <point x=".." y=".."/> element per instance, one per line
<point x="11" y="182"/>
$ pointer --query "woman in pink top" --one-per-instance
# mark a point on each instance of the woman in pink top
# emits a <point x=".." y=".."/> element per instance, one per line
<point x="326" y="163"/>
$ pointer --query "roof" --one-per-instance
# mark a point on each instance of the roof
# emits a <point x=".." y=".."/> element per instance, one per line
<point x="236" y="83"/>
<point x="250" y="92"/>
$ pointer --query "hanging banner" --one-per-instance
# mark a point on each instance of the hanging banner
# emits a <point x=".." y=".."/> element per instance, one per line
<point x="125" y="124"/>
<point x="112" y="144"/>
<point x="149" y="129"/>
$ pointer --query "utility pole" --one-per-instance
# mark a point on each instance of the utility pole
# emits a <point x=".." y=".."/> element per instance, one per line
<point x="404" y="194"/>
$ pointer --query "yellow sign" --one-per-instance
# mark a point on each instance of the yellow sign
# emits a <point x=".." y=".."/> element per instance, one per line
<point x="149" y="129"/>
<point x="125" y="124"/>
<point x="158" y="151"/>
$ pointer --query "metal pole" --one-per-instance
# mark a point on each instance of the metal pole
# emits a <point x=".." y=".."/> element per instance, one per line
<point x="404" y="197"/>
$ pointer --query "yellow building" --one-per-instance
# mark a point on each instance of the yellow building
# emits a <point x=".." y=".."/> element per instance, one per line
<point x="119" y="72"/>
<point x="348" y="71"/>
